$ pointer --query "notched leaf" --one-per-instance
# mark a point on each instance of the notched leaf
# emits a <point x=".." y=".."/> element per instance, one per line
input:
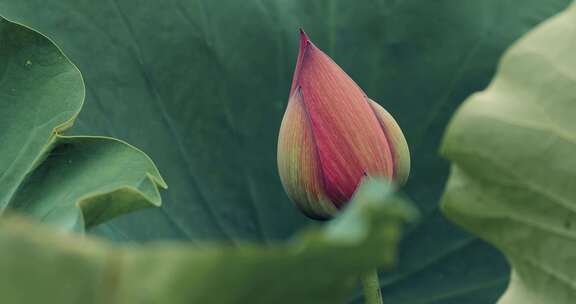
<point x="71" y="182"/>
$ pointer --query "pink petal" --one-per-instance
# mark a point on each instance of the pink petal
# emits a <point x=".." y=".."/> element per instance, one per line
<point x="348" y="137"/>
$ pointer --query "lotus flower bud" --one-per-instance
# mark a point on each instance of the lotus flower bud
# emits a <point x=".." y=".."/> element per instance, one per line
<point x="332" y="135"/>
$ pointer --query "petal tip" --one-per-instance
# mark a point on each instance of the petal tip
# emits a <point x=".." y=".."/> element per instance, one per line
<point x="304" y="45"/>
<point x="304" y="39"/>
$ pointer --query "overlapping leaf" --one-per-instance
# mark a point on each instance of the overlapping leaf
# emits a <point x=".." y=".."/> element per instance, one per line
<point x="70" y="182"/>
<point x="320" y="266"/>
<point x="514" y="167"/>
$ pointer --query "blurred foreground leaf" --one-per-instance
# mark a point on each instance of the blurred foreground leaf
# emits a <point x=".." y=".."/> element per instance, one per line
<point x="70" y="182"/>
<point x="513" y="157"/>
<point x="320" y="266"/>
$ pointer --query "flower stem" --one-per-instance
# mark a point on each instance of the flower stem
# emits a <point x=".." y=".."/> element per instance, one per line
<point x="371" y="286"/>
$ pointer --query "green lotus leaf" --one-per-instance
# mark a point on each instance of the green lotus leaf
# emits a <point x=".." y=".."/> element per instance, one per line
<point x="202" y="85"/>
<point x="72" y="182"/>
<point x="513" y="163"/>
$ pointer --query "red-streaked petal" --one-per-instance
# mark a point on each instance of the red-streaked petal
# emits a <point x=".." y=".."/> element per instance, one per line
<point x="349" y="139"/>
<point x="397" y="143"/>
<point x="298" y="162"/>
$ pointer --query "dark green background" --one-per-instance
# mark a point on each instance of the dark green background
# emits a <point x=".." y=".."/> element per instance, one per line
<point x="201" y="87"/>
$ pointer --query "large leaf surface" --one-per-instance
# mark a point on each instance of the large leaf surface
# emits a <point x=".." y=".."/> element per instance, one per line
<point x="70" y="182"/>
<point x="320" y="266"/>
<point x="202" y="86"/>
<point x="514" y="166"/>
